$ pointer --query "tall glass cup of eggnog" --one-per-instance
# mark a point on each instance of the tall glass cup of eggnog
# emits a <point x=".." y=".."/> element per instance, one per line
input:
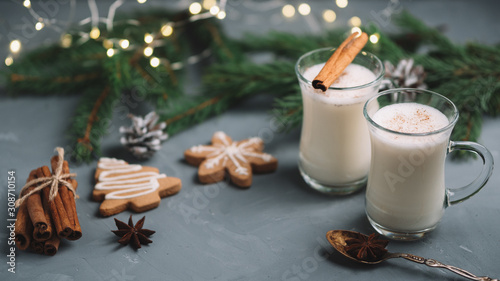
<point x="334" y="144"/>
<point x="410" y="137"/>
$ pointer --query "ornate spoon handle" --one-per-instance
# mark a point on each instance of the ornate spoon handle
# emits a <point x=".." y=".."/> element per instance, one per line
<point x="435" y="263"/>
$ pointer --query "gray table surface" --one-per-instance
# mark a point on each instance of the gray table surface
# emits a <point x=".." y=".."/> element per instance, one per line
<point x="276" y="229"/>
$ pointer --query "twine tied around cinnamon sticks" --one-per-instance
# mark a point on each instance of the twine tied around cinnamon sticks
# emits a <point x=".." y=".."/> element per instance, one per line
<point x="47" y="208"/>
<point x="54" y="180"/>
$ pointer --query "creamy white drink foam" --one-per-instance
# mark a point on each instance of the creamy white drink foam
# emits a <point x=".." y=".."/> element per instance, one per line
<point x="335" y="145"/>
<point x="405" y="189"/>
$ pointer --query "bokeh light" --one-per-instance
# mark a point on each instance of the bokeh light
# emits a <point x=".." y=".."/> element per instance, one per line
<point x="154" y="61"/>
<point x="167" y="30"/>
<point x="374" y="38"/>
<point x="124" y="43"/>
<point x="110" y="52"/>
<point x="95" y="33"/>
<point x="356" y="30"/>
<point x="15" y="46"/>
<point x="288" y="11"/>
<point x="214" y="10"/>
<point x="304" y="9"/>
<point x="148" y="51"/>
<point x="221" y="15"/>
<point x="148" y="38"/>
<point x="208" y="4"/>
<point x="39" y="25"/>
<point x="9" y="61"/>
<point x="341" y="3"/>
<point x="195" y="8"/>
<point x="66" y="40"/>
<point x="329" y="15"/>
<point x="355" y="21"/>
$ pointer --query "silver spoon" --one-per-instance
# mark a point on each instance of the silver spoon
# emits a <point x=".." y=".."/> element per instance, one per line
<point x="338" y="240"/>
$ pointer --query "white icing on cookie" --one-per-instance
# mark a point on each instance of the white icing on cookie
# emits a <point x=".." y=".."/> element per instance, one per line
<point x="232" y="152"/>
<point x="118" y="174"/>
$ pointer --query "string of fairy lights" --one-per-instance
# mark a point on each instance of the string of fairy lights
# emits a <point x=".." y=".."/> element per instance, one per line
<point x="198" y="10"/>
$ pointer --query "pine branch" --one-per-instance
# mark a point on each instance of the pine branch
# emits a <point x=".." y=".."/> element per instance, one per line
<point x="86" y="69"/>
<point x="91" y="121"/>
<point x="194" y="111"/>
<point x="289" y="111"/>
<point x="224" y="86"/>
<point x="469" y="75"/>
<point x="244" y="79"/>
<point x="426" y="34"/>
<point x="47" y="71"/>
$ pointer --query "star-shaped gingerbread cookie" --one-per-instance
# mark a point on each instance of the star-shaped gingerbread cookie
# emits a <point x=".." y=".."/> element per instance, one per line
<point x="240" y="159"/>
<point x="121" y="186"/>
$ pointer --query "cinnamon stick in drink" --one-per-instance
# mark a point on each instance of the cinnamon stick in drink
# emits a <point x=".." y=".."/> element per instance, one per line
<point x="37" y="214"/>
<point x="339" y="60"/>
<point x="68" y="200"/>
<point x="57" y="211"/>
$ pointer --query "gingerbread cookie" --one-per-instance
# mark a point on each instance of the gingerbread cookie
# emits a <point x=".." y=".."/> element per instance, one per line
<point x="122" y="186"/>
<point x="240" y="159"/>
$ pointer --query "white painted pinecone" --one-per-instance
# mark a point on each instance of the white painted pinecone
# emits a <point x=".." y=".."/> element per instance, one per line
<point x="144" y="137"/>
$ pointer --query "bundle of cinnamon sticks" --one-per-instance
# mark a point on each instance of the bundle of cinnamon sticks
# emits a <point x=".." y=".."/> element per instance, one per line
<point x="42" y="223"/>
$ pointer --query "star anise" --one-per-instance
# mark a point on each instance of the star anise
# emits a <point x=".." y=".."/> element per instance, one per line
<point x="135" y="235"/>
<point x="366" y="248"/>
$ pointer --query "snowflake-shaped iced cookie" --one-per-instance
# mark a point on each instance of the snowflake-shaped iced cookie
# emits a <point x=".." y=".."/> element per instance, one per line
<point x="240" y="159"/>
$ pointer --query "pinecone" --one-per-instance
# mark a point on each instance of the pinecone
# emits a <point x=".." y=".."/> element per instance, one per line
<point x="404" y="75"/>
<point x="144" y="137"/>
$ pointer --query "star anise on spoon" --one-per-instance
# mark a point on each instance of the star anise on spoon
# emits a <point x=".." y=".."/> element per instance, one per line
<point x="135" y="235"/>
<point x="366" y="247"/>
<point x="359" y="243"/>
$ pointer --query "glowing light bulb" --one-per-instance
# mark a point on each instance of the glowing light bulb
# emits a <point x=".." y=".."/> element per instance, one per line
<point x="304" y="9"/>
<point x="355" y="21"/>
<point x="195" y="8"/>
<point x="39" y="25"/>
<point x="341" y="3"/>
<point x="141" y="1"/>
<point x="148" y="51"/>
<point x="9" y="60"/>
<point x="27" y="4"/>
<point x="110" y="52"/>
<point x="374" y="38"/>
<point x="167" y="30"/>
<point x="356" y="30"/>
<point x="208" y="4"/>
<point x="107" y="43"/>
<point x="288" y="11"/>
<point x="329" y="16"/>
<point x="154" y="61"/>
<point x="148" y="38"/>
<point x="66" y="40"/>
<point x="15" y="46"/>
<point x="221" y="15"/>
<point x="124" y="43"/>
<point x="214" y="10"/>
<point x="95" y="33"/>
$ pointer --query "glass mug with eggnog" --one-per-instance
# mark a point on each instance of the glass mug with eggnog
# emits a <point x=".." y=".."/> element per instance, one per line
<point x="410" y="138"/>
<point x="334" y="144"/>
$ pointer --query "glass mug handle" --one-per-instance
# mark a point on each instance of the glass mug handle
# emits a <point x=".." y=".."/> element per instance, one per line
<point x="461" y="194"/>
